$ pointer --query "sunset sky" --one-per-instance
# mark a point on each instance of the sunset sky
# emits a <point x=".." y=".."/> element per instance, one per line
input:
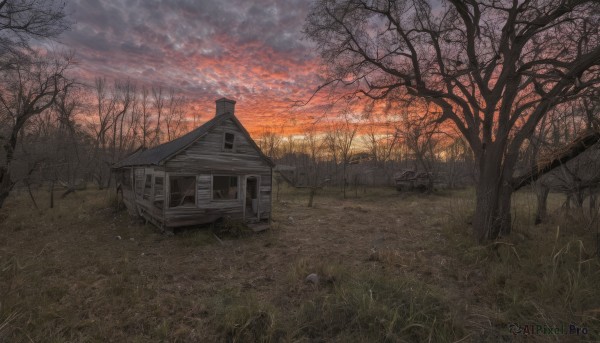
<point x="249" y="51"/>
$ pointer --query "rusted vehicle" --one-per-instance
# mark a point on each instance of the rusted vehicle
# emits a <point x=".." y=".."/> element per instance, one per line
<point x="410" y="180"/>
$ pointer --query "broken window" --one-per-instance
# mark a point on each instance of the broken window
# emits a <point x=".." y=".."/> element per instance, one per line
<point x="229" y="140"/>
<point x="148" y="187"/>
<point x="182" y="191"/>
<point x="159" y="192"/>
<point x="225" y="187"/>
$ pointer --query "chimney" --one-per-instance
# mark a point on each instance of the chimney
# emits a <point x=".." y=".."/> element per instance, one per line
<point x="225" y="105"/>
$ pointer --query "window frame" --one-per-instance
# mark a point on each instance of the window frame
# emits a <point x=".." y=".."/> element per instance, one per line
<point x="212" y="188"/>
<point x="233" y="144"/>
<point x="168" y="194"/>
<point x="137" y="180"/>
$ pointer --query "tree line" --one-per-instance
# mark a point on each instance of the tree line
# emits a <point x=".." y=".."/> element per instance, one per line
<point x="366" y="147"/>
<point x="55" y="129"/>
<point x="61" y="131"/>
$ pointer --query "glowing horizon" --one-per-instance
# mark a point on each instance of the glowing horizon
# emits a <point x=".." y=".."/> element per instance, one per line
<point x="251" y="52"/>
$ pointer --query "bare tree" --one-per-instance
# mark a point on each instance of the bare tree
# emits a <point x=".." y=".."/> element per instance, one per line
<point x="313" y="146"/>
<point x="123" y="98"/>
<point x="69" y="140"/>
<point x="114" y="125"/>
<point x="330" y="144"/>
<point x="130" y="125"/>
<point x="174" y="115"/>
<point x="101" y="124"/>
<point x="380" y="137"/>
<point x="421" y="135"/>
<point x="53" y="146"/>
<point x="269" y="142"/>
<point x="339" y="139"/>
<point x="494" y="69"/>
<point x="459" y="167"/>
<point x="29" y="89"/>
<point x="578" y="178"/>
<point x="158" y="104"/>
<point x="22" y="20"/>
<point x="144" y="113"/>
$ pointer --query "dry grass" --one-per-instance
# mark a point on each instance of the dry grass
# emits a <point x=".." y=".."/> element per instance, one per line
<point x="392" y="267"/>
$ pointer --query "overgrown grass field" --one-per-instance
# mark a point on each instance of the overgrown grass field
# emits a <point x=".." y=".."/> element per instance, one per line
<point x="391" y="268"/>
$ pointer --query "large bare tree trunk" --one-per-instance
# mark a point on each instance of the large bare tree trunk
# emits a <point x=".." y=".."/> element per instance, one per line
<point x="504" y="211"/>
<point x="6" y="185"/>
<point x="486" y="206"/>
<point x="542" y="199"/>
<point x="492" y="211"/>
<point x="493" y="199"/>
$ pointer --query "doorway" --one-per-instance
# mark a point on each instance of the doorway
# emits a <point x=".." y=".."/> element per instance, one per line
<point x="251" y="201"/>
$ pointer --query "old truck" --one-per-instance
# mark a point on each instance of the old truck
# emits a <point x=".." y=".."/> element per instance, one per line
<point x="411" y="180"/>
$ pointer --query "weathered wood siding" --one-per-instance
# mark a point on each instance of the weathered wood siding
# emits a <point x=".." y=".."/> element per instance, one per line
<point x="203" y="186"/>
<point x="207" y="155"/>
<point x="138" y="181"/>
<point x="146" y="206"/>
<point x="180" y="216"/>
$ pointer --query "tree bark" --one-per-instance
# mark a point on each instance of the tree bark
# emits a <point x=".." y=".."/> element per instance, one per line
<point x="578" y="146"/>
<point x="505" y="213"/>
<point x="31" y="195"/>
<point x="311" y="196"/>
<point x="542" y="199"/>
<point x="486" y="207"/>
<point x="6" y="185"/>
<point x="492" y="216"/>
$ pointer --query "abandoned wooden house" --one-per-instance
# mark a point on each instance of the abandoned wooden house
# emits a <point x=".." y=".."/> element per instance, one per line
<point x="214" y="172"/>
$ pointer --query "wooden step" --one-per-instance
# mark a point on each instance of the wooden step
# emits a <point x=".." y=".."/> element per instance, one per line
<point x="259" y="227"/>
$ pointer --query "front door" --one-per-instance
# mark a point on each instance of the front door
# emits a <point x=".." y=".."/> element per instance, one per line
<point x="251" y="201"/>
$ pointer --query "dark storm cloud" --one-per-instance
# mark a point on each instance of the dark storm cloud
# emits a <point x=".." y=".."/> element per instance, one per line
<point x="276" y="24"/>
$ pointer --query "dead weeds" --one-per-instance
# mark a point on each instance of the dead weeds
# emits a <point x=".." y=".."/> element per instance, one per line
<point x="394" y="267"/>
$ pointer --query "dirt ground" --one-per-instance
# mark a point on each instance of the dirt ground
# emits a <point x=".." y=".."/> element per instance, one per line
<point x="83" y="272"/>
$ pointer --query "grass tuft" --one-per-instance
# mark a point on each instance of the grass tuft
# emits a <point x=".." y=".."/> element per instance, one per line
<point x="242" y="318"/>
<point x="376" y="308"/>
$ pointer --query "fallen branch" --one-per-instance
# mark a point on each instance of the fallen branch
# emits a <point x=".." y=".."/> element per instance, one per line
<point x="578" y="146"/>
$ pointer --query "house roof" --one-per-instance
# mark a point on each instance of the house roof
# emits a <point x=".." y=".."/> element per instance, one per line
<point x="162" y="153"/>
